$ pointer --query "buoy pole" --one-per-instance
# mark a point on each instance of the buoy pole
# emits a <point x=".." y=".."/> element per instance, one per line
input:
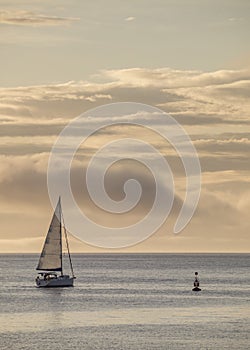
<point x="196" y="283"/>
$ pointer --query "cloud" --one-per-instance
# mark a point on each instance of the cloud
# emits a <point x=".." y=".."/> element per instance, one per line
<point x="214" y="109"/>
<point x="24" y="194"/>
<point x="173" y="78"/>
<point x="27" y="18"/>
<point x="220" y="223"/>
<point x="227" y="146"/>
<point x="130" y="19"/>
<point x="223" y="93"/>
<point x="235" y="19"/>
<point x="31" y="117"/>
<point x="195" y="98"/>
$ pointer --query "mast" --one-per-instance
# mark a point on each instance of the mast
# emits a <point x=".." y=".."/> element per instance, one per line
<point x="60" y="220"/>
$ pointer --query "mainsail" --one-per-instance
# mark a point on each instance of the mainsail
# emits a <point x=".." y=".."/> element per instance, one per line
<point x="51" y="256"/>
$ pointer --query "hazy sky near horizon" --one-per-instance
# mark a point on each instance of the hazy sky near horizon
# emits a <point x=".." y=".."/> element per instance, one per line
<point x="189" y="58"/>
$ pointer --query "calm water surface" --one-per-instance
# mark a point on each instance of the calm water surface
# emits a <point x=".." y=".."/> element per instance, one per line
<point x="128" y="301"/>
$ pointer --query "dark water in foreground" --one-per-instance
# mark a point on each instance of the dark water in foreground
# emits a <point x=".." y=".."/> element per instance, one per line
<point x="128" y="301"/>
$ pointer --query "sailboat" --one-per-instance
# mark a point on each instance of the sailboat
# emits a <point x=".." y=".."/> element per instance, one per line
<point x="51" y="262"/>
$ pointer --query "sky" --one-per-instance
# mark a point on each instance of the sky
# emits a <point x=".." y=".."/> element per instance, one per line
<point x="188" y="58"/>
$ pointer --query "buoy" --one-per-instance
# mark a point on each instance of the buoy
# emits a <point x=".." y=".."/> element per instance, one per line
<point x="196" y="283"/>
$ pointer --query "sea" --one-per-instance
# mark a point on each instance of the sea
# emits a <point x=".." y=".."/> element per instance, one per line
<point x="128" y="302"/>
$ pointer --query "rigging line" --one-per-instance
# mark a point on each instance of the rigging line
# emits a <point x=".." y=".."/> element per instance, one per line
<point x="67" y="244"/>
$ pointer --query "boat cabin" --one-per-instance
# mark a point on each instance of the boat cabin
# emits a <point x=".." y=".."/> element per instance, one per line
<point x="47" y="275"/>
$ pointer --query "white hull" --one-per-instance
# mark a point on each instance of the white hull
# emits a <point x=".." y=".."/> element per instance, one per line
<point x="60" y="281"/>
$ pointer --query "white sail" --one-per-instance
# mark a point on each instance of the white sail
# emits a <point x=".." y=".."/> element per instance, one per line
<point x="51" y="256"/>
